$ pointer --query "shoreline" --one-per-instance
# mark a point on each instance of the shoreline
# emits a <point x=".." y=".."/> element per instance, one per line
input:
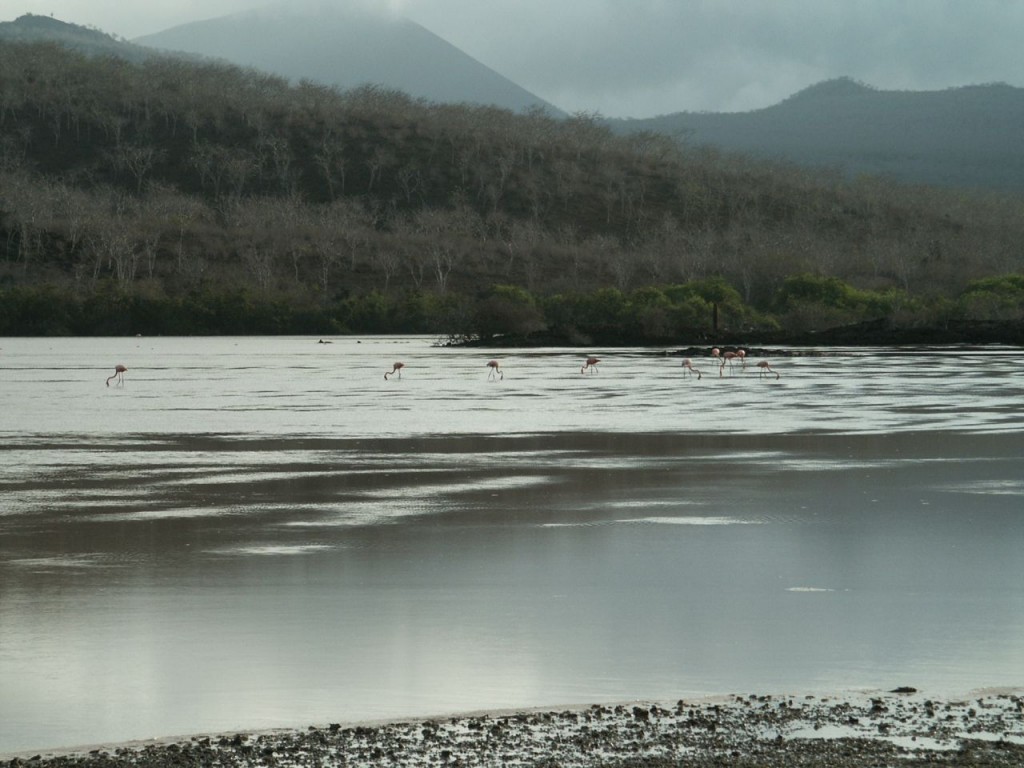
<point x="848" y="730"/>
<point x="871" y="333"/>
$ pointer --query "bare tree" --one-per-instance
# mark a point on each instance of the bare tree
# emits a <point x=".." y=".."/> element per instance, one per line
<point x="275" y="153"/>
<point x="387" y="260"/>
<point x="181" y="213"/>
<point x="330" y="160"/>
<point x="137" y="159"/>
<point x="379" y="159"/>
<point x="410" y="179"/>
<point x="260" y="262"/>
<point x="114" y="246"/>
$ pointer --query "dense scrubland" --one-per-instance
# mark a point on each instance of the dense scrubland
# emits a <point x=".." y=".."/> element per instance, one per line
<point x="168" y="196"/>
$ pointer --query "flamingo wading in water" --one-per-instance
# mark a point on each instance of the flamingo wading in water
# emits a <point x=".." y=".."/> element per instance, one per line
<point x="591" y="364"/>
<point x="118" y="374"/>
<point x="690" y="370"/>
<point x="495" y="367"/>
<point x="729" y="357"/>
<point x="396" y="369"/>
<point x="766" y="369"/>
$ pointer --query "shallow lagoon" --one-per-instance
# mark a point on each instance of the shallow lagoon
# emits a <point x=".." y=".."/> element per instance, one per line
<point x="262" y="532"/>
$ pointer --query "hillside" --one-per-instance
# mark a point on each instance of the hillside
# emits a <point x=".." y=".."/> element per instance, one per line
<point x="175" y="197"/>
<point x="348" y="49"/>
<point x="961" y="137"/>
<point x="340" y="49"/>
<point x="45" y="29"/>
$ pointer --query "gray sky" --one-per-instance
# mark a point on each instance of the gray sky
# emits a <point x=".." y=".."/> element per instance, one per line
<point x="640" y="58"/>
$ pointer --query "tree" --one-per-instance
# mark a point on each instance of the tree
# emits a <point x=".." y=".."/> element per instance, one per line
<point x="507" y="309"/>
<point x="994" y="299"/>
<point x="137" y="160"/>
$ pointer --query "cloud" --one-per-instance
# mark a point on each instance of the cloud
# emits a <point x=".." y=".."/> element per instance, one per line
<point x="645" y="57"/>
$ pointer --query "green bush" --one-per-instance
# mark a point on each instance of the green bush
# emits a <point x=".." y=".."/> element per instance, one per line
<point x="809" y="302"/>
<point x="806" y="289"/>
<point x="595" y="314"/>
<point x="43" y="311"/>
<point x="696" y="303"/>
<point x="993" y="299"/>
<point x="507" y="310"/>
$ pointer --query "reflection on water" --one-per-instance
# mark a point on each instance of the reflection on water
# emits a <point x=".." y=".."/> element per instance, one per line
<point x="262" y="532"/>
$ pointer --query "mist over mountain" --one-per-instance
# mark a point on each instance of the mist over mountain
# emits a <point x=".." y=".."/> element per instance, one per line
<point x="959" y="137"/>
<point x="349" y="48"/>
<point x="45" y="29"/>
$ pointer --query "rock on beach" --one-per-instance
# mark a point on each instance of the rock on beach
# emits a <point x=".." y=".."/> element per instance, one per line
<point x="901" y="727"/>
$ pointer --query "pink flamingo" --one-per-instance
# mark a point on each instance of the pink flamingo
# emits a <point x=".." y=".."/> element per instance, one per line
<point x="396" y="369"/>
<point x="727" y="359"/>
<point x="591" y="364"/>
<point x="495" y="367"/>
<point x="118" y="374"/>
<point x="690" y="370"/>
<point x="731" y="357"/>
<point x="716" y="352"/>
<point x="766" y="369"/>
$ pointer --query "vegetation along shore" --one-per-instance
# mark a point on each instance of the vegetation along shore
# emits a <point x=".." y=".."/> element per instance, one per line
<point x="182" y="196"/>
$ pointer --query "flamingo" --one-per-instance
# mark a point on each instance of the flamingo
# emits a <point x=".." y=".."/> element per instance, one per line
<point x="727" y="359"/>
<point x="396" y="369"/>
<point x="495" y="367"/>
<point x="716" y="352"/>
<point x="118" y="374"/>
<point x="591" y="364"/>
<point x="690" y="370"/>
<point x="766" y="369"/>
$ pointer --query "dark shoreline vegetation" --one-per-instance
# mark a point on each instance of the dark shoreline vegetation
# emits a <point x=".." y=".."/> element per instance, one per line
<point x="182" y="197"/>
<point x="508" y="317"/>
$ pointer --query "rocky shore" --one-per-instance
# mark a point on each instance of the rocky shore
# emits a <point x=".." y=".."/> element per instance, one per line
<point x="902" y="727"/>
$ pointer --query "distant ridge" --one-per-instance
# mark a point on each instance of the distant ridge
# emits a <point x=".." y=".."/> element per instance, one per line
<point x="971" y="136"/>
<point x="348" y="49"/>
<point x="31" y="28"/>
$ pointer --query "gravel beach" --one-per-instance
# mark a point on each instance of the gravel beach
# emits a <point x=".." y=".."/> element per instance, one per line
<point x="903" y="727"/>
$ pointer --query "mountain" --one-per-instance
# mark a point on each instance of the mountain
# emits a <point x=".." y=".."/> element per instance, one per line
<point x="960" y="137"/>
<point x="349" y="48"/>
<point x="37" y="29"/>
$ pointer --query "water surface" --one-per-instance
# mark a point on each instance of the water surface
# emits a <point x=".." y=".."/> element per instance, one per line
<point x="262" y="532"/>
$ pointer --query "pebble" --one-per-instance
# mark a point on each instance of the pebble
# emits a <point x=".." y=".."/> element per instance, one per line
<point x="837" y="731"/>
